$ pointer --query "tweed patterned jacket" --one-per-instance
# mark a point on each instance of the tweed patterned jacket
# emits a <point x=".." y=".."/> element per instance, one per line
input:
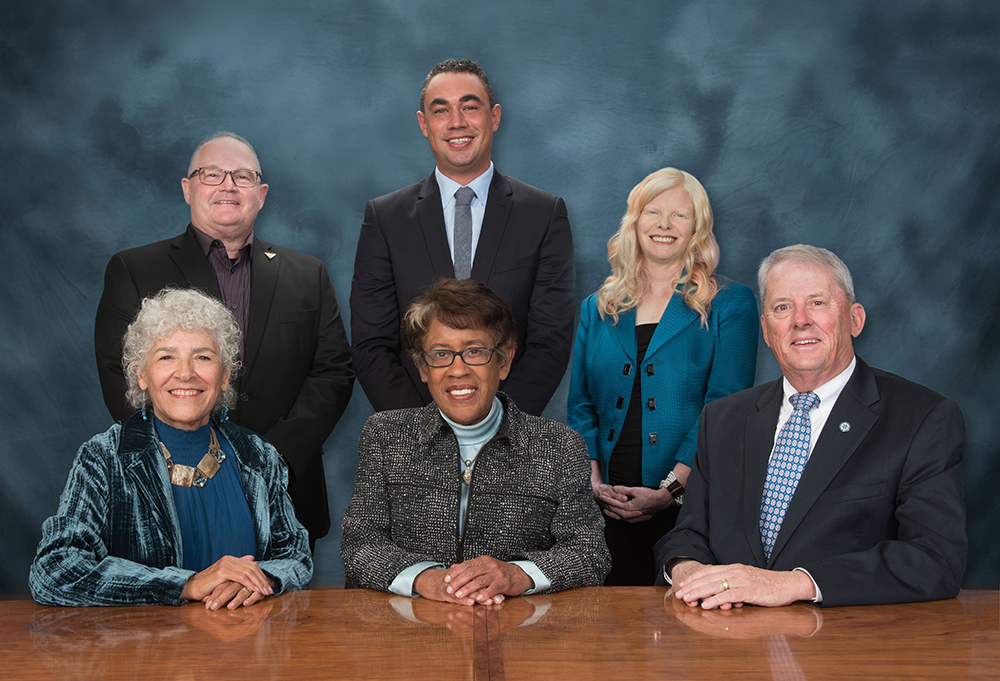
<point x="115" y="539"/>
<point x="531" y="499"/>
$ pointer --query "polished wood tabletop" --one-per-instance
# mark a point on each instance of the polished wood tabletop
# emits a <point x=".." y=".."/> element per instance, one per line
<point x="598" y="633"/>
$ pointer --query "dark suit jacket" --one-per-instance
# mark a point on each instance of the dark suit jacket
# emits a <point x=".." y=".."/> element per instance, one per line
<point x="878" y="515"/>
<point x="525" y="254"/>
<point x="296" y="378"/>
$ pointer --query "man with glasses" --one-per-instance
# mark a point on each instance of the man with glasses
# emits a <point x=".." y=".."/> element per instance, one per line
<point x="296" y="377"/>
<point x="469" y="500"/>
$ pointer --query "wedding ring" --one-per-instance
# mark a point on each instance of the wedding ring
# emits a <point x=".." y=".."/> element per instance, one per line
<point x="725" y="585"/>
<point x="250" y="591"/>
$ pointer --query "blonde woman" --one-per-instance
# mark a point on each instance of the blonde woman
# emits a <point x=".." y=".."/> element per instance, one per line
<point x="660" y="339"/>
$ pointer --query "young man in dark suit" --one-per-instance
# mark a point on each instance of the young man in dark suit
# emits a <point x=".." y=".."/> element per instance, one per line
<point x="838" y="484"/>
<point x="514" y="238"/>
<point x="296" y="377"/>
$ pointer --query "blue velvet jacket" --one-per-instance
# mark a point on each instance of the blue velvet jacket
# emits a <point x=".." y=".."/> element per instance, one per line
<point x="686" y="366"/>
<point x="115" y="539"/>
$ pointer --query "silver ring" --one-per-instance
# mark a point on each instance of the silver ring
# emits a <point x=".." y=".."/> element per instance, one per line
<point x="725" y="585"/>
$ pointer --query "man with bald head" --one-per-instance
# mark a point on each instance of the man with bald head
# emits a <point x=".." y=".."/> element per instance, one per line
<point x="296" y="378"/>
<point x="838" y="483"/>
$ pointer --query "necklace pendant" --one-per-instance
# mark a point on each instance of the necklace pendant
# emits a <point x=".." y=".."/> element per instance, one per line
<point x="467" y="476"/>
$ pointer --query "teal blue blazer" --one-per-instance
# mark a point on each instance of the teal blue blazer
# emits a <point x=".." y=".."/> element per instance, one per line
<point x="686" y="366"/>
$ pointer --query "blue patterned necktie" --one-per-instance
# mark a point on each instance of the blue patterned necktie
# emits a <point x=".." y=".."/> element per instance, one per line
<point x="463" y="232"/>
<point x="791" y="450"/>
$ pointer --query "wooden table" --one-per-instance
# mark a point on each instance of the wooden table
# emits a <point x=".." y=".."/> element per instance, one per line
<point x="604" y="633"/>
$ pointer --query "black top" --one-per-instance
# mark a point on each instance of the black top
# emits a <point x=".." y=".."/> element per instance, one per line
<point x="625" y="464"/>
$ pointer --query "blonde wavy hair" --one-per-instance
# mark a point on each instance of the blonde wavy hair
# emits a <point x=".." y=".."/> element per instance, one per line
<point x="621" y="291"/>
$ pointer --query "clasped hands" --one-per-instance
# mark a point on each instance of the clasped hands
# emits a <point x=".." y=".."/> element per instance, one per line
<point x="631" y="504"/>
<point x="483" y="580"/>
<point x="729" y="586"/>
<point x="230" y="582"/>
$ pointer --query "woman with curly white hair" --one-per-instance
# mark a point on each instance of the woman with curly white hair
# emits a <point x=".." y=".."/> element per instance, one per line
<point x="174" y="503"/>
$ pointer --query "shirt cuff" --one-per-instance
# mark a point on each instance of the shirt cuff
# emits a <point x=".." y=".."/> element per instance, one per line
<point x="403" y="584"/>
<point x="541" y="581"/>
<point x="818" y="598"/>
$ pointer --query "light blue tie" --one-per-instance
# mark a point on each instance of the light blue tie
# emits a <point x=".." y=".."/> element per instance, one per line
<point x="463" y="232"/>
<point x="791" y="450"/>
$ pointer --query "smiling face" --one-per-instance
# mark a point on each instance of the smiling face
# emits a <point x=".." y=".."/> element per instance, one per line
<point x="184" y="376"/>
<point x="225" y="212"/>
<point x="457" y="120"/>
<point x="808" y="323"/>
<point x="463" y="393"/>
<point x="665" y="228"/>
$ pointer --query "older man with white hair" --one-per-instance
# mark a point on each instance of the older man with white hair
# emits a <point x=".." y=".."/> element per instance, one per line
<point x="838" y="483"/>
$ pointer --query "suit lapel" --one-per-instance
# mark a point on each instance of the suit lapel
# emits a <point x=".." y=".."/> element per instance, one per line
<point x="263" y="280"/>
<point x="498" y="207"/>
<point x="758" y="441"/>
<point x="677" y="317"/>
<point x="186" y="254"/>
<point x="833" y="448"/>
<point x="432" y="226"/>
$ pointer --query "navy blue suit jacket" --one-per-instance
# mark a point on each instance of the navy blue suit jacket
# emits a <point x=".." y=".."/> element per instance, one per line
<point x="525" y="254"/>
<point x="878" y="515"/>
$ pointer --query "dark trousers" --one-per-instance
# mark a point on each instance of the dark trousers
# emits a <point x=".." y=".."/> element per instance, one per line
<point x="631" y="547"/>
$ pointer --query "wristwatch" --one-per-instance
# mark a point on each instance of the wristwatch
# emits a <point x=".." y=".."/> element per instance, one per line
<point x="674" y="486"/>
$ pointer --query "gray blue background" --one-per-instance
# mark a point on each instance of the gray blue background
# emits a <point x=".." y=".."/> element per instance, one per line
<point x="870" y="128"/>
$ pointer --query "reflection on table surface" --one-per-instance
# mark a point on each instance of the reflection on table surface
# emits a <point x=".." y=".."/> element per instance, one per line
<point x="599" y="633"/>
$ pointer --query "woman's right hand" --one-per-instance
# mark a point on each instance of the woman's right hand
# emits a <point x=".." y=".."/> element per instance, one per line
<point x="227" y="581"/>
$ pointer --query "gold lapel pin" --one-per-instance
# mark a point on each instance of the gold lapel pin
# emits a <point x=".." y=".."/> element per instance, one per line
<point x="270" y="255"/>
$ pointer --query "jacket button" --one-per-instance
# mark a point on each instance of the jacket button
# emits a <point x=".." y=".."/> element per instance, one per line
<point x="650" y="370"/>
<point x="627" y="370"/>
<point x="651" y="403"/>
<point x="244" y="397"/>
<point x="619" y="403"/>
<point x="611" y="436"/>
<point x="652" y="438"/>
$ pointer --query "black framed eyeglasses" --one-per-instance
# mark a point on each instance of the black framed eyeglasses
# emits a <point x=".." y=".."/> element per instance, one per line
<point x="212" y="176"/>
<point x="471" y="356"/>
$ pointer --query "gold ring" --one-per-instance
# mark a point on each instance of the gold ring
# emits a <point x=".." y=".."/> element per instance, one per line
<point x="248" y="590"/>
<point x="725" y="585"/>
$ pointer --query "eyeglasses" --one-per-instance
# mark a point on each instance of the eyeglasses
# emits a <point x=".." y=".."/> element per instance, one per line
<point x="213" y="176"/>
<point x="471" y="356"/>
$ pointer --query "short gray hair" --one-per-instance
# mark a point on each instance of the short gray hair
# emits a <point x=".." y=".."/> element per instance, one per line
<point x="169" y="310"/>
<point x="809" y="254"/>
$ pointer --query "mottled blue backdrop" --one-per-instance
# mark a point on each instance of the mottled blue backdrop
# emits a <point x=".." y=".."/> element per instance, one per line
<point x="867" y="128"/>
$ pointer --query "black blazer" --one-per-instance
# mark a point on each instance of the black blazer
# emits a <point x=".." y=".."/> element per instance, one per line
<point x="296" y="379"/>
<point x="878" y="515"/>
<point x="525" y="254"/>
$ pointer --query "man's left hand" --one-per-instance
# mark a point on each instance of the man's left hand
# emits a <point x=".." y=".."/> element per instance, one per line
<point x="726" y="586"/>
<point x="486" y="580"/>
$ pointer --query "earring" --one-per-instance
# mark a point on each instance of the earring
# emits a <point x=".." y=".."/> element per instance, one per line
<point x="144" y="412"/>
<point x="225" y="414"/>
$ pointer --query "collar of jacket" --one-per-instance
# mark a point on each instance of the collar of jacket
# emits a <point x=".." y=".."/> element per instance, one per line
<point x="431" y="424"/>
<point x="137" y="435"/>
